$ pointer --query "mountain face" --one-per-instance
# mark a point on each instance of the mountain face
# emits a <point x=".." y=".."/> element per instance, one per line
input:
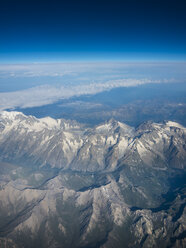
<point x="65" y="185"/>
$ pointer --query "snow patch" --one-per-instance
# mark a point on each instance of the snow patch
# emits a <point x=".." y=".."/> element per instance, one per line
<point x="50" y="122"/>
<point x="10" y="115"/>
<point x="175" y="124"/>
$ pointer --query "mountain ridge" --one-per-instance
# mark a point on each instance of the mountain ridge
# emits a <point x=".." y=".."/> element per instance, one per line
<point x="69" y="140"/>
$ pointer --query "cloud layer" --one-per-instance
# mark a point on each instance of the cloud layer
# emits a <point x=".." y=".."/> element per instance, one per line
<point x="31" y="85"/>
<point x="46" y="94"/>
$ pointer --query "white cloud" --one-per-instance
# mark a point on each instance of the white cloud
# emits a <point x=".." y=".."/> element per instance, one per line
<point x="47" y="94"/>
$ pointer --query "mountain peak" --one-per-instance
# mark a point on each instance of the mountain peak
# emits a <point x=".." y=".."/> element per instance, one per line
<point x="11" y="114"/>
<point x="174" y="124"/>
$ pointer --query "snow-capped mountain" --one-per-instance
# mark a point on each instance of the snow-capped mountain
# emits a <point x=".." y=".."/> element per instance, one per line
<point x="65" y="185"/>
<point x="67" y="144"/>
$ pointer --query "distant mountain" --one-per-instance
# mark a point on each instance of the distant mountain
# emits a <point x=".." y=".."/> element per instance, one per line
<point x="65" y="185"/>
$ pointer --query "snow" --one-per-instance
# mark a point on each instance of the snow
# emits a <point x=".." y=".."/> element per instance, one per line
<point x="50" y="122"/>
<point x="122" y="146"/>
<point x="111" y="140"/>
<point x="105" y="127"/>
<point x="29" y="122"/>
<point x="141" y="148"/>
<point x="124" y="126"/>
<point x="175" y="124"/>
<point x="10" y="115"/>
<point x="68" y="135"/>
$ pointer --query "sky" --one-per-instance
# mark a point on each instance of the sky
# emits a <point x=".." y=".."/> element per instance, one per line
<point x="55" y="49"/>
<point x="92" y="30"/>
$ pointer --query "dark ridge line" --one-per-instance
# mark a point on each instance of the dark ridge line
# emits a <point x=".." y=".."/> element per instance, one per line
<point x="21" y="217"/>
<point x="179" y="237"/>
<point x="92" y="187"/>
<point x="179" y="213"/>
<point x="143" y="240"/>
<point x="165" y="205"/>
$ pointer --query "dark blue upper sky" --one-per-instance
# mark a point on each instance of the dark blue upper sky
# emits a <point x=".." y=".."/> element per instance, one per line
<point x="36" y="30"/>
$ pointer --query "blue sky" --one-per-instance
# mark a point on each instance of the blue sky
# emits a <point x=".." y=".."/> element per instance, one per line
<point x="92" y="30"/>
<point x="35" y="34"/>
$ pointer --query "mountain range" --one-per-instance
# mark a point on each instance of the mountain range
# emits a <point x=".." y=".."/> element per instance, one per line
<point x="63" y="184"/>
